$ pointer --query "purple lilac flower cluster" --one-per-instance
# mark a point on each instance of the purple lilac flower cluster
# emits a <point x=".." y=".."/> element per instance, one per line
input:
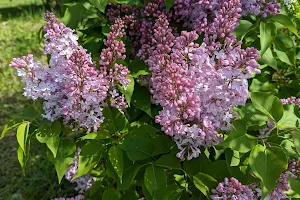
<point x="209" y="16"/>
<point x="84" y="182"/>
<point x="72" y="88"/>
<point x="117" y="74"/>
<point x="78" y="197"/>
<point x="197" y="85"/>
<point x="290" y="100"/>
<point x="260" y="7"/>
<point x="233" y="189"/>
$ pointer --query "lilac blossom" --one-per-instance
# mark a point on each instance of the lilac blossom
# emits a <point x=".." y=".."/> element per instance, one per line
<point x="290" y="100"/>
<point x="232" y="189"/>
<point x="71" y="87"/>
<point x="197" y="85"/>
<point x="218" y="17"/>
<point x="116" y="73"/>
<point x="78" y="197"/>
<point x="260" y="7"/>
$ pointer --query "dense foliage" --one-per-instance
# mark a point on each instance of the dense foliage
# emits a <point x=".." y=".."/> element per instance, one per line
<point x="168" y="100"/>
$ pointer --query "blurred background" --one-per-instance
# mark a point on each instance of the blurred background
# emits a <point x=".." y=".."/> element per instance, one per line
<point x="21" y="33"/>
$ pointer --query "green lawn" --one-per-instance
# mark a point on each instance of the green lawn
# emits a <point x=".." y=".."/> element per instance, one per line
<point x="19" y="35"/>
<point x="14" y="3"/>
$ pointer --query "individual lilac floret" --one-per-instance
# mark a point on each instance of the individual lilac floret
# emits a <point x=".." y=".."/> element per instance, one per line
<point x="260" y="7"/>
<point x="84" y="182"/>
<point x="197" y="85"/>
<point x="117" y="74"/>
<point x="232" y="190"/>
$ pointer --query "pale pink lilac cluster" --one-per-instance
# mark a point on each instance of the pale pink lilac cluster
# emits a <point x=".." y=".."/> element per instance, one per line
<point x="291" y="100"/>
<point x="197" y="85"/>
<point x="72" y="87"/>
<point x="83" y="183"/>
<point x="117" y="74"/>
<point x="232" y="189"/>
<point x="260" y="7"/>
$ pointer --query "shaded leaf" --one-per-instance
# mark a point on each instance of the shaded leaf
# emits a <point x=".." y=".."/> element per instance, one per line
<point x="204" y="183"/>
<point x="115" y="155"/>
<point x="154" y="178"/>
<point x="89" y="156"/>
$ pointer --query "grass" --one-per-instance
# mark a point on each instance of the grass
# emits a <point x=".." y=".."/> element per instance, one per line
<point x="15" y="3"/>
<point x="19" y="35"/>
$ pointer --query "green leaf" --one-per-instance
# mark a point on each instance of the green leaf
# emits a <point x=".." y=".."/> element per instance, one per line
<point x="170" y="192"/>
<point x="22" y="135"/>
<point x="9" y="126"/>
<point x="296" y="139"/>
<point x="141" y="99"/>
<point x="204" y="183"/>
<point x="295" y="185"/>
<point x="268" y="33"/>
<point x="53" y="144"/>
<point x="114" y="120"/>
<point x="137" y="145"/>
<point x="286" y="56"/>
<point x="129" y="90"/>
<point x="50" y="136"/>
<point x="268" y="164"/>
<point x="232" y="157"/>
<point x="254" y="118"/>
<point x="154" y="178"/>
<point x="73" y="15"/>
<point x="65" y="155"/>
<point x="289" y="119"/>
<point x="242" y="29"/>
<point x="23" y="156"/>
<point x="285" y="21"/>
<point x="169" y="4"/>
<point x="102" y="134"/>
<point x="129" y="195"/>
<point x="89" y="156"/>
<point x="110" y="194"/>
<point x="238" y="139"/>
<point x="138" y="68"/>
<point x="269" y="59"/>
<point x="169" y="161"/>
<point x="99" y="4"/>
<point x="115" y="155"/>
<point x="268" y="104"/>
<point x="128" y="177"/>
